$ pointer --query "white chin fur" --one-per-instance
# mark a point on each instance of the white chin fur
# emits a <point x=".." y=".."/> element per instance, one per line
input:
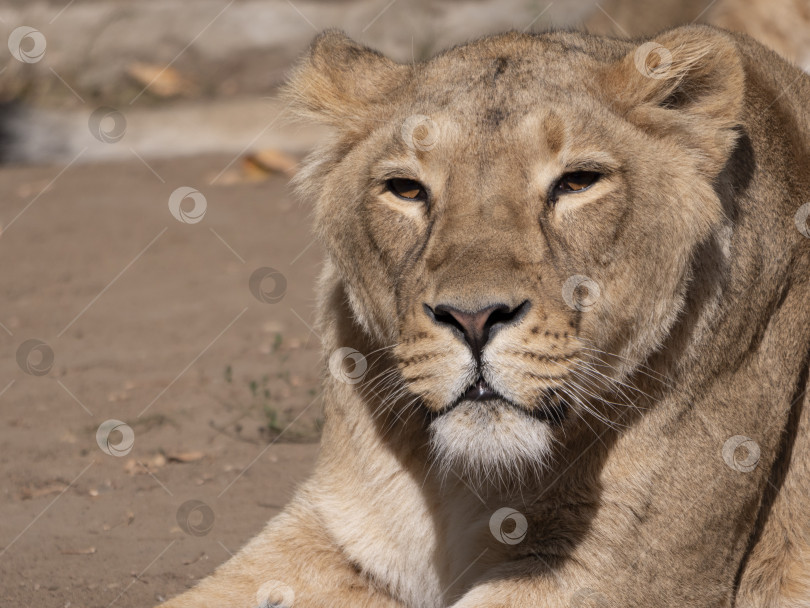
<point x="489" y="442"/>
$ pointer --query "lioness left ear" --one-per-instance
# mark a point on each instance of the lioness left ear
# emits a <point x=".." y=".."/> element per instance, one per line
<point x="687" y="83"/>
<point x="340" y="82"/>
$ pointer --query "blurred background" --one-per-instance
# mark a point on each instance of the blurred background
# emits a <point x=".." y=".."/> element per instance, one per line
<point x="196" y="76"/>
<point x="159" y="364"/>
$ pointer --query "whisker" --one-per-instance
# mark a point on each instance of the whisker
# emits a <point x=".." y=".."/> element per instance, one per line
<point x="579" y="414"/>
<point x="637" y="366"/>
<point x="611" y="384"/>
<point x="579" y="390"/>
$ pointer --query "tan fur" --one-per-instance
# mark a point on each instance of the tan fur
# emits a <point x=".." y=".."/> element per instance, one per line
<point x="611" y="432"/>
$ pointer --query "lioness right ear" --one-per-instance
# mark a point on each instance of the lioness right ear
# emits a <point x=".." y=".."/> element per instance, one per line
<point x="340" y="83"/>
<point x="688" y="83"/>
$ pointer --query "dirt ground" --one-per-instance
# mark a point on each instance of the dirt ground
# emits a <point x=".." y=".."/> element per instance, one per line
<point x="154" y="323"/>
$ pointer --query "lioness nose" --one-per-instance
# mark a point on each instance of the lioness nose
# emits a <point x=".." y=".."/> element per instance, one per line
<point x="477" y="327"/>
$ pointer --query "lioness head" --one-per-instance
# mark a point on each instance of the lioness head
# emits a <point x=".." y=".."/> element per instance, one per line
<point x="517" y="218"/>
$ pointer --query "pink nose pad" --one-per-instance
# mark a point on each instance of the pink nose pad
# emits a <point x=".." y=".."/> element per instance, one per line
<point x="477" y="327"/>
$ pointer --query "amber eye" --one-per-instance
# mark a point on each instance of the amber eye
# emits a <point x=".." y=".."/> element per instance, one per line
<point x="576" y="181"/>
<point x="407" y="189"/>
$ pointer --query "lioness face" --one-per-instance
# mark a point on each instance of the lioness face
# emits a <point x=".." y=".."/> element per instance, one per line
<point x="522" y="238"/>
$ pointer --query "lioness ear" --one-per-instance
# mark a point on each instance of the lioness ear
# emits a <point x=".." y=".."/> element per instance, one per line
<point x="688" y="82"/>
<point x="339" y="82"/>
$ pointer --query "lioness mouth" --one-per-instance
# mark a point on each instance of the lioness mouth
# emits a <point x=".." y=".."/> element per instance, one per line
<point x="552" y="409"/>
<point x="480" y="390"/>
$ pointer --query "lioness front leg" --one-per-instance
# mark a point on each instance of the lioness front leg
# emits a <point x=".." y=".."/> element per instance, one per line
<point x="292" y="562"/>
<point x="508" y="594"/>
<point x="521" y="591"/>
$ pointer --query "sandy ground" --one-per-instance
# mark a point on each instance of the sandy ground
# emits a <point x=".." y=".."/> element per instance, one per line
<point x="151" y="322"/>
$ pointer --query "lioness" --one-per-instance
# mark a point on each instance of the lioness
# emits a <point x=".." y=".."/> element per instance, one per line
<point x="576" y="273"/>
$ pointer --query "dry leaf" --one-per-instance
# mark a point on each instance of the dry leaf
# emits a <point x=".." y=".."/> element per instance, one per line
<point x="88" y="551"/>
<point x="137" y="467"/>
<point x="116" y="396"/>
<point x="160" y="80"/>
<point x="272" y="327"/>
<point x="257" y="167"/>
<point x="188" y="562"/>
<point x="185" y="456"/>
<point x="28" y="492"/>
<point x="68" y="437"/>
<point x="126" y="522"/>
<point x="270" y="161"/>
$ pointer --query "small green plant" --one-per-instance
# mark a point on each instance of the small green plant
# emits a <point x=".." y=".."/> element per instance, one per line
<point x="274" y="420"/>
<point x="259" y="388"/>
<point x="271" y="415"/>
